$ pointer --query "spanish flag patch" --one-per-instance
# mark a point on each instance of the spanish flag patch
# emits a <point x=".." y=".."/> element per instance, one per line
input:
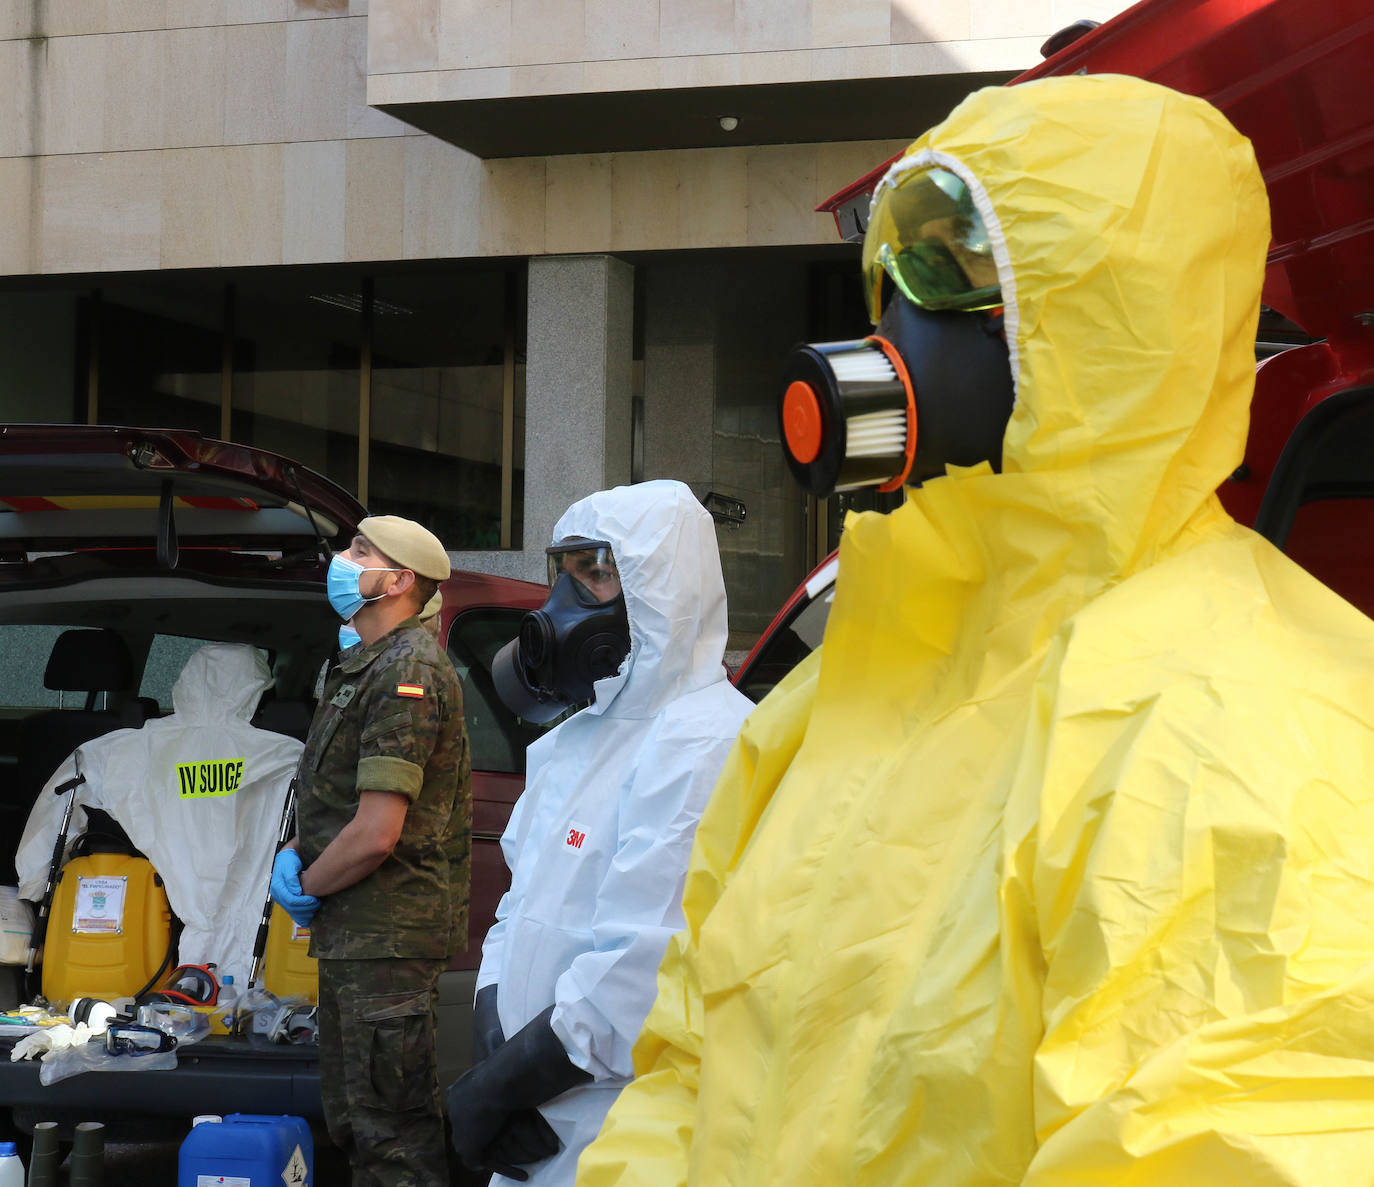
<point x="410" y="690"/>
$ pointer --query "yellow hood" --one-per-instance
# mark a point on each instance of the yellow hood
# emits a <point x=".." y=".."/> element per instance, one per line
<point x="1130" y="320"/>
<point x="1054" y="865"/>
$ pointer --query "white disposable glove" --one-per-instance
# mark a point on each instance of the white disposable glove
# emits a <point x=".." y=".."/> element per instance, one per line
<point x="52" y="1038"/>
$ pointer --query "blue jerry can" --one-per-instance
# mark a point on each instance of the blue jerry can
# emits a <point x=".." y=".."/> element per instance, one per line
<point x="247" y="1150"/>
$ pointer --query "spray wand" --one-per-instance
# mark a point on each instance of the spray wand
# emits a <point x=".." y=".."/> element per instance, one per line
<point x="288" y="813"/>
<point x="40" y="926"/>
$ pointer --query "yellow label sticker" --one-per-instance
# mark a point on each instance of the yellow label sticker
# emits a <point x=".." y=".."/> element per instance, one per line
<point x="201" y="780"/>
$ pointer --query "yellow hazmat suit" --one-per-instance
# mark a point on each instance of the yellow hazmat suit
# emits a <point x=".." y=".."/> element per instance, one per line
<point x="1054" y="867"/>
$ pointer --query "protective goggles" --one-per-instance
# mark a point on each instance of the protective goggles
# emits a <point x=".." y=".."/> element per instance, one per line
<point x="926" y="235"/>
<point x="132" y="1038"/>
<point x="591" y="563"/>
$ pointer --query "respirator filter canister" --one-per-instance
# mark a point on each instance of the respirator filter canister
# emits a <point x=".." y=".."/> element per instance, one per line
<point x="847" y="415"/>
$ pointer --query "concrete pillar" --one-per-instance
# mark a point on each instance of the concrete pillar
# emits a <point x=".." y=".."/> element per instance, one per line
<point x="578" y="380"/>
<point x="681" y="308"/>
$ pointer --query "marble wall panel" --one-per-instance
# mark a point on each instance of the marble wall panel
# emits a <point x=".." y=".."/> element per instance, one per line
<point x="319" y="75"/>
<point x="314" y="180"/>
<point x="546" y="31"/>
<point x="255" y="105"/>
<point x="404" y="37"/>
<point x="645" y="210"/>
<point x="374" y="203"/>
<point x="193" y="88"/>
<point x="18" y="243"/>
<point x="577" y="201"/>
<point x="16" y="19"/>
<point x="781" y="186"/>
<point x="620" y="29"/>
<point x="930" y="20"/>
<point x="135" y="74"/>
<point x="222" y="206"/>
<point x="442" y="200"/>
<point x="249" y="224"/>
<point x="100" y="206"/>
<point x="70" y="89"/>
<point x="555" y="78"/>
<point x="771" y="24"/>
<point x="513" y="206"/>
<point x="850" y="22"/>
<point x="474" y="33"/>
<point x="713" y="197"/>
<point x="697" y="26"/>
<point x="1010" y="18"/>
<point x="19" y="129"/>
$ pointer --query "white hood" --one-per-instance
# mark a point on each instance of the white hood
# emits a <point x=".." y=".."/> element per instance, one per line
<point x="665" y="549"/>
<point x="220" y="680"/>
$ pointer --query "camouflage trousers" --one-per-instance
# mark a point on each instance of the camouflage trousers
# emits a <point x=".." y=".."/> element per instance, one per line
<point x="379" y="1076"/>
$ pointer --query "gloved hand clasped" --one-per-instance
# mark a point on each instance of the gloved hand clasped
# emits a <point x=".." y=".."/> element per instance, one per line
<point x="489" y="1106"/>
<point x="286" y="888"/>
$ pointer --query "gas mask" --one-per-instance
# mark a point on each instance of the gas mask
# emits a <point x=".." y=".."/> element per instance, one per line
<point x="580" y="635"/>
<point x="932" y="386"/>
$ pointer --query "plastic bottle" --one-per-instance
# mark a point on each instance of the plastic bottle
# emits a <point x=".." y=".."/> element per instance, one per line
<point x="226" y="1006"/>
<point x="11" y="1169"/>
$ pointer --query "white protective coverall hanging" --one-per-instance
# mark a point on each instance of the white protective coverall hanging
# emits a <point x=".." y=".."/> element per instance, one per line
<point x="599" y="841"/>
<point x="200" y="792"/>
<point x="1055" y="865"/>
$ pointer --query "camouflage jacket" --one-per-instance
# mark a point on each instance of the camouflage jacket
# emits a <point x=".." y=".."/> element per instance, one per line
<point x="391" y="719"/>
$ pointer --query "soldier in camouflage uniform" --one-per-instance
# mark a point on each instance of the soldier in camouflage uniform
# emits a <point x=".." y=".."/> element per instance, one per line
<point x="384" y="816"/>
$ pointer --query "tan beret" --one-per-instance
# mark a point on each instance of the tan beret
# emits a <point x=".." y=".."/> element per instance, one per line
<point x="408" y="544"/>
<point x="433" y="606"/>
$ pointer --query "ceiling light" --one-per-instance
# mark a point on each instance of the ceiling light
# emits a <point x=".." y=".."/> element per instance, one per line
<point x="728" y="123"/>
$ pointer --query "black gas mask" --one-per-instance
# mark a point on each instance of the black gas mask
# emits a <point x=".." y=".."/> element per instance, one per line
<point x="580" y="635"/>
<point x="932" y="386"/>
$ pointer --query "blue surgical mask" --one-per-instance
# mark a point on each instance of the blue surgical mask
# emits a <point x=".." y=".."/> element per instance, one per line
<point x="348" y="637"/>
<point x="341" y="584"/>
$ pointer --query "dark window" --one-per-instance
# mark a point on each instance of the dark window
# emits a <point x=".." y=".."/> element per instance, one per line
<point x="443" y="383"/>
<point x="295" y="369"/>
<point x="498" y="738"/>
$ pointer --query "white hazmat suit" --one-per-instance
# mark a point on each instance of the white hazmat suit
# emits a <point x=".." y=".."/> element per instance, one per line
<point x="212" y="839"/>
<point x="599" y="842"/>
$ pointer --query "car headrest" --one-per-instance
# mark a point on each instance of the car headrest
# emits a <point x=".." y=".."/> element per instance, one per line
<point x="283" y="717"/>
<point x="89" y="661"/>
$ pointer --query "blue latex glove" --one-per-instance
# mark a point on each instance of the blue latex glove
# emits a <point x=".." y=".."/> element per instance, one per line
<point x="286" y="888"/>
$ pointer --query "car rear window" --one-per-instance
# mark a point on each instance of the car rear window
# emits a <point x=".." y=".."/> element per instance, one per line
<point x="166" y="658"/>
<point x="26" y="648"/>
